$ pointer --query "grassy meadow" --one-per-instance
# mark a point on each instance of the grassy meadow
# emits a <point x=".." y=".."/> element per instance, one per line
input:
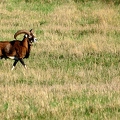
<point x="74" y="68"/>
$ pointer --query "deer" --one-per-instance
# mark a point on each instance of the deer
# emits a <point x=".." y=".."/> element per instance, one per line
<point x="17" y="50"/>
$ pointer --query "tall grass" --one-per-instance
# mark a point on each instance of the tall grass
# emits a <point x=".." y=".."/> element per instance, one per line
<point x="73" y="70"/>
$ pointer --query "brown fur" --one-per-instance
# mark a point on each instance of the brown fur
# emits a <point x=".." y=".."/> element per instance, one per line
<point x="17" y="49"/>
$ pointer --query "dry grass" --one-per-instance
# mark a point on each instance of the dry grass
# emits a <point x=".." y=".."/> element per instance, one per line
<point x="73" y="70"/>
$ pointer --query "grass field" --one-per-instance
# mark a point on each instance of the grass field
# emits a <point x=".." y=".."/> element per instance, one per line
<point x="74" y="68"/>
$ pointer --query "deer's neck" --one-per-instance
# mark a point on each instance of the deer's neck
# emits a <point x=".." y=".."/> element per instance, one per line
<point x="25" y="42"/>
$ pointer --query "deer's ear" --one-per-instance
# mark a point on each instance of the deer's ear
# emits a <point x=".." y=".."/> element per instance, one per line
<point x="31" y="30"/>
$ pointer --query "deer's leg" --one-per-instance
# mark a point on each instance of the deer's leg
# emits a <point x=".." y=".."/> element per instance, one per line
<point x="22" y="62"/>
<point x="14" y="64"/>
